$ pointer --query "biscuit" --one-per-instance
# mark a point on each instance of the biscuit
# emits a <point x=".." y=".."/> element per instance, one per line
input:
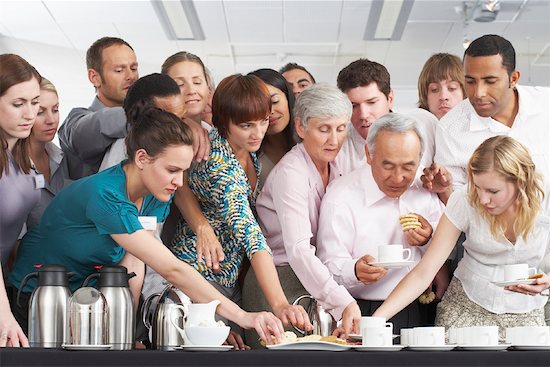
<point x="409" y="221"/>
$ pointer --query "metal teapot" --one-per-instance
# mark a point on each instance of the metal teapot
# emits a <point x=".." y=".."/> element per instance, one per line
<point x="113" y="284"/>
<point x="163" y="334"/>
<point x="48" y="305"/>
<point x="322" y="321"/>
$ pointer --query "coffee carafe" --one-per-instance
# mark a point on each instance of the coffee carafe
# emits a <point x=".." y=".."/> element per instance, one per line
<point x="322" y="321"/>
<point x="48" y="306"/>
<point x="163" y="334"/>
<point x="113" y="284"/>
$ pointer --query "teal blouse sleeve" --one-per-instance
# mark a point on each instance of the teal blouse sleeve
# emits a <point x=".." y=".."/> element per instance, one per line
<point x="113" y="213"/>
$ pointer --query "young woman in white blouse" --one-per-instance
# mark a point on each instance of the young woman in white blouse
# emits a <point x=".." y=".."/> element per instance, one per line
<point x="505" y="215"/>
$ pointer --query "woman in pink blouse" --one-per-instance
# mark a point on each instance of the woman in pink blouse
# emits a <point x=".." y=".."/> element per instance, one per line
<point x="288" y="207"/>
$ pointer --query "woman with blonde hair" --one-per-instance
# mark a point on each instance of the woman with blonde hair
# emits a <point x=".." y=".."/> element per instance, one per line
<point x="504" y="214"/>
<point x="441" y="84"/>
<point x="47" y="158"/>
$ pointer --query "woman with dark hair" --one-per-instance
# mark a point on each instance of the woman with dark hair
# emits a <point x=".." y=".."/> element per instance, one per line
<point x="226" y="186"/>
<point x="280" y="136"/>
<point x="19" y="95"/>
<point x="101" y="219"/>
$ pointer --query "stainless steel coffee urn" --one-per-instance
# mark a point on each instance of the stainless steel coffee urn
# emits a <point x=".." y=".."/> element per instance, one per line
<point x="113" y="284"/>
<point x="48" y="306"/>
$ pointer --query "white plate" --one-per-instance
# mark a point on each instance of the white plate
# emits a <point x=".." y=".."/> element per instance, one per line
<point x="505" y="283"/>
<point x="358" y="337"/>
<point x="484" y="347"/>
<point x="531" y="347"/>
<point x="383" y="348"/>
<point x="393" y="264"/>
<point x="86" y="347"/>
<point x="206" y="348"/>
<point x="431" y="348"/>
<point x="310" y="346"/>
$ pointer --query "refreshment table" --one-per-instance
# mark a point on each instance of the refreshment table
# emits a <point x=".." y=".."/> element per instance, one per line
<point x="265" y="358"/>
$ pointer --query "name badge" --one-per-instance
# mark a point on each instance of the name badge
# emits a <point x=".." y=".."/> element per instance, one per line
<point x="39" y="181"/>
<point x="148" y="223"/>
<point x="543" y="221"/>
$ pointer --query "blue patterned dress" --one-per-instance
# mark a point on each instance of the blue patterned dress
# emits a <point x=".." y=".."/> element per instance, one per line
<point x="226" y="200"/>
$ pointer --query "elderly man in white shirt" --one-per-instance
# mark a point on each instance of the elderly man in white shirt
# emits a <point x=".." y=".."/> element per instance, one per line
<point x="361" y="211"/>
<point x="367" y="85"/>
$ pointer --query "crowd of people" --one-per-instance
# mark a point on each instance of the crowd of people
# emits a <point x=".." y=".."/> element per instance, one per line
<point x="270" y="186"/>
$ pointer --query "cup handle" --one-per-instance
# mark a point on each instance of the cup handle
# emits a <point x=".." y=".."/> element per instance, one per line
<point x="532" y="271"/>
<point x="173" y="322"/>
<point x="389" y="324"/>
<point x="409" y="254"/>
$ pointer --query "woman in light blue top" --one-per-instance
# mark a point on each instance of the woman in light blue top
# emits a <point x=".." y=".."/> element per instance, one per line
<point x="19" y="93"/>
<point x="110" y="218"/>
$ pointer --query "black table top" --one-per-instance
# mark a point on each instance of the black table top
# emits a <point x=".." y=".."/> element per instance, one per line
<point x="265" y="358"/>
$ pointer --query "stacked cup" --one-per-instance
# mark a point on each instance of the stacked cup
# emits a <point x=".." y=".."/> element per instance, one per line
<point x="528" y="335"/>
<point x="376" y="332"/>
<point x="474" y="336"/>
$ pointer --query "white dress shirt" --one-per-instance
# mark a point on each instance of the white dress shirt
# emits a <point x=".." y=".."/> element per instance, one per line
<point x="484" y="257"/>
<point x="288" y="208"/>
<point x="462" y="130"/>
<point x="352" y="154"/>
<point x="356" y="217"/>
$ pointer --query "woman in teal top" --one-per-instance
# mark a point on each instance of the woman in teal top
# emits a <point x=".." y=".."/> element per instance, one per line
<point x="226" y="189"/>
<point x="100" y="220"/>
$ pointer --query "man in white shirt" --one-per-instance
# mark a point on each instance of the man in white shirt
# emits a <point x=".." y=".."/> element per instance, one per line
<point x="496" y="105"/>
<point x="361" y="211"/>
<point x="367" y="85"/>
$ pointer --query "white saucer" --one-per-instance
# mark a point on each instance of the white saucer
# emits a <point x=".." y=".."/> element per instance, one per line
<point x="431" y="348"/>
<point x="86" y="347"/>
<point x="206" y="348"/>
<point x="505" y="283"/>
<point x="382" y="348"/>
<point x="484" y="347"/>
<point x="393" y="264"/>
<point x="358" y="337"/>
<point x="531" y="347"/>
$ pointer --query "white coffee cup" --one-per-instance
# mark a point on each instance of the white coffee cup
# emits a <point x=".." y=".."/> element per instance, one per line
<point x="528" y="335"/>
<point x="456" y="335"/>
<point x="478" y="335"/>
<point x="407" y="336"/>
<point x="377" y="336"/>
<point x="374" y="321"/>
<point x="393" y="253"/>
<point x="434" y="335"/>
<point x="518" y="271"/>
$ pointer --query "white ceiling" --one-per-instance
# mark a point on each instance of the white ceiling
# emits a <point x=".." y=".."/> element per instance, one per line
<point x="242" y="36"/>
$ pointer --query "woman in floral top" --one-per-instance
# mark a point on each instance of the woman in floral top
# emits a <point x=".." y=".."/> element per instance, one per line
<point x="226" y="189"/>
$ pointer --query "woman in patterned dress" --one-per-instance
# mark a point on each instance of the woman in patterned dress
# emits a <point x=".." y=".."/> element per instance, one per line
<point x="226" y="187"/>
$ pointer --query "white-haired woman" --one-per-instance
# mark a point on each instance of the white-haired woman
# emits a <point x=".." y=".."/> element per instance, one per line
<point x="288" y="207"/>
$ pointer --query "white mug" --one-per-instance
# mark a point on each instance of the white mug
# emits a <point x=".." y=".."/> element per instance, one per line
<point x="429" y="335"/>
<point x="393" y="253"/>
<point x="377" y="336"/>
<point x="518" y="271"/>
<point x="479" y="335"/>
<point x="374" y="321"/>
<point x="407" y="337"/>
<point x="528" y="335"/>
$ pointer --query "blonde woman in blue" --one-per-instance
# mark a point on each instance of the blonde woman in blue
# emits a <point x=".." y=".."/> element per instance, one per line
<point x="226" y="189"/>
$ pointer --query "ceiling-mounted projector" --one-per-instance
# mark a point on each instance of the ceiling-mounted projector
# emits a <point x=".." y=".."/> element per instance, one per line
<point x="486" y="11"/>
